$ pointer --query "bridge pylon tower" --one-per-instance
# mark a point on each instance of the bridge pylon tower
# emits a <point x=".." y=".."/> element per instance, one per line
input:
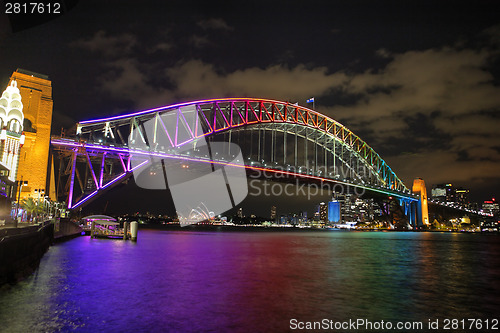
<point x="422" y="209"/>
<point x="36" y="97"/>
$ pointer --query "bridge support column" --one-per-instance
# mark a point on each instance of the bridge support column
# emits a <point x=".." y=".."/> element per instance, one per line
<point x="413" y="214"/>
<point x="409" y="208"/>
<point x="422" y="210"/>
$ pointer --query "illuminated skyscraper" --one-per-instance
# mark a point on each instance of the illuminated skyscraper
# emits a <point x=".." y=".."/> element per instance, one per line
<point x="334" y="211"/>
<point x="304" y="216"/>
<point x="491" y="206"/>
<point x="462" y="197"/>
<point x="323" y="212"/>
<point x="443" y="193"/>
<point x="273" y="213"/>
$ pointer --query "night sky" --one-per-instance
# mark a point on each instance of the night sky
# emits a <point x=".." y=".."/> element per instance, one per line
<point x="417" y="80"/>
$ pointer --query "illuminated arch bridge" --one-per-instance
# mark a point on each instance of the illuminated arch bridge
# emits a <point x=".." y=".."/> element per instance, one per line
<point x="273" y="136"/>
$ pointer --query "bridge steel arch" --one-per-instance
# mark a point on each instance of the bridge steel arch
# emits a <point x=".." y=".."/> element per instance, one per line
<point x="163" y="130"/>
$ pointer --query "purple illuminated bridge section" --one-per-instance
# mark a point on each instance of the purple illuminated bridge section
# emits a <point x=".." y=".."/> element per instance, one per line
<point x="274" y="136"/>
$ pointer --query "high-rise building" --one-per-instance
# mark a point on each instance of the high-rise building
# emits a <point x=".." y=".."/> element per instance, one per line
<point x="347" y="209"/>
<point x="273" y="213"/>
<point x="334" y="211"/>
<point x="36" y="97"/>
<point x="438" y="193"/>
<point x="491" y="206"/>
<point x="316" y="216"/>
<point x="462" y="197"/>
<point x="323" y="212"/>
<point x="304" y="216"/>
<point x="443" y="193"/>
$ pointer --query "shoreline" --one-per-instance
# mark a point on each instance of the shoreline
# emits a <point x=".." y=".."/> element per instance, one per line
<point x="234" y="228"/>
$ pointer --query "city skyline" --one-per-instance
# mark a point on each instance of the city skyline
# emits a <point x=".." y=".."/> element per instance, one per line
<point x="249" y="165"/>
<point x="417" y="81"/>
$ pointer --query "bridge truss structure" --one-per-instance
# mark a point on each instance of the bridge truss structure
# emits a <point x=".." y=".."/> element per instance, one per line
<point x="273" y="135"/>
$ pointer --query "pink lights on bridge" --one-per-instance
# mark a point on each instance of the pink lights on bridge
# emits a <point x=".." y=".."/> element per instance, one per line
<point x="161" y="133"/>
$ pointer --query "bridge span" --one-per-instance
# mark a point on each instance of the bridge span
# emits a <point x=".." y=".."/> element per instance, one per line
<point x="262" y="135"/>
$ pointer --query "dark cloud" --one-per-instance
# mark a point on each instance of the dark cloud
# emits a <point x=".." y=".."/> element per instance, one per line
<point x="108" y="45"/>
<point x="493" y="35"/>
<point x="162" y="46"/>
<point x="215" y="24"/>
<point x="196" y="79"/>
<point x="383" y="53"/>
<point x="199" y="41"/>
<point x="127" y="78"/>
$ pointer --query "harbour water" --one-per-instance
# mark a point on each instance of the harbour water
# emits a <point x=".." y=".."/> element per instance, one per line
<point x="188" y="281"/>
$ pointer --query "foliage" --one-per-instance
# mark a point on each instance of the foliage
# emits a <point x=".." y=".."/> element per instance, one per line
<point x="31" y="207"/>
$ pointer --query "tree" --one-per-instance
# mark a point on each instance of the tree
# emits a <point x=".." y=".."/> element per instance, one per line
<point x="31" y="207"/>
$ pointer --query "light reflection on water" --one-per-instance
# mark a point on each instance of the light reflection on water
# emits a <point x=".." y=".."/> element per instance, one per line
<point x="254" y="281"/>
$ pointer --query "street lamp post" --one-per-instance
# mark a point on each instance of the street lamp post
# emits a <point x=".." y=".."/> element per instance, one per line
<point x="38" y="191"/>
<point x="20" y="184"/>
<point x="46" y="206"/>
